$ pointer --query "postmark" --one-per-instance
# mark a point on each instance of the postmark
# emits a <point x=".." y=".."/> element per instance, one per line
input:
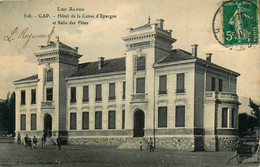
<point x="235" y="24"/>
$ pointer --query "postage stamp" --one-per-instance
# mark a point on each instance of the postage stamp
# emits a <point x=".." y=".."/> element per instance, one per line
<point x="236" y="23"/>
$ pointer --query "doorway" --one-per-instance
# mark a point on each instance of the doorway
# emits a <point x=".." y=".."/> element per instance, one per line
<point x="139" y="123"/>
<point x="47" y="125"/>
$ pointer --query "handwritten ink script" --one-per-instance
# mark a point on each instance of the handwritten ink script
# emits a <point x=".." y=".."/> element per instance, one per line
<point x="26" y="36"/>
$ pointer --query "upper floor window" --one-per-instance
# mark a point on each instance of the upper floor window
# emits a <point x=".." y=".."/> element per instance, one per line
<point x="73" y="94"/>
<point x="98" y="92"/>
<point x="213" y="84"/>
<point x="220" y="85"/>
<point x="162" y="117"/>
<point x="140" y="63"/>
<point x="180" y="116"/>
<point x="123" y="90"/>
<point x="49" y="94"/>
<point x="85" y="94"/>
<point x="140" y="85"/>
<point x="33" y="96"/>
<point x="23" y="97"/>
<point x="163" y="84"/>
<point x="49" y="75"/>
<point x="112" y="94"/>
<point x="180" y="83"/>
<point x="224" y="117"/>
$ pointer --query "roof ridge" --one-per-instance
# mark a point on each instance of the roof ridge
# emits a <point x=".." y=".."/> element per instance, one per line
<point x="104" y="60"/>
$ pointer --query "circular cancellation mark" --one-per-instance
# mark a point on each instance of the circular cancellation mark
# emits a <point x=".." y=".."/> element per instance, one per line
<point x="235" y="24"/>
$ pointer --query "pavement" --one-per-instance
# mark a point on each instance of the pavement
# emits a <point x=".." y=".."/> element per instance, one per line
<point x="81" y="155"/>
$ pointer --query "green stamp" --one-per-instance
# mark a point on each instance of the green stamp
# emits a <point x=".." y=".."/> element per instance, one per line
<point x="240" y="26"/>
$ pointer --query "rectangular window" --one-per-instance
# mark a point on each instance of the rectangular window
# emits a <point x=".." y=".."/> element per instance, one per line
<point x="123" y="90"/>
<point x="23" y="122"/>
<point x="140" y="63"/>
<point x="98" y="120"/>
<point x="49" y="75"/>
<point x="49" y="94"/>
<point x="111" y="119"/>
<point x="112" y="94"/>
<point x="180" y="83"/>
<point x="85" y="94"/>
<point x="213" y="84"/>
<point x="73" y="122"/>
<point x="224" y="117"/>
<point x="123" y="119"/>
<point x="98" y="92"/>
<point x="33" y="96"/>
<point x="163" y="84"/>
<point x="73" y="94"/>
<point x="220" y="85"/>
<point x="23" y="97"/>
<point x="162" y="117"/>
<point x="85" y="120"/>
<point x="140" y="85"/>
<point x="233" y="118"/>
<point x="33" y="121"/>
<point x="180" y="116"/>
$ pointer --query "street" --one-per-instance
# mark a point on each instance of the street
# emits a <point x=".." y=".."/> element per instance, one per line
<point x="16" y="155"/>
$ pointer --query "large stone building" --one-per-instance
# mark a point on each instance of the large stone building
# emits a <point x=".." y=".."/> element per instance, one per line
<point x="171" y="95"/>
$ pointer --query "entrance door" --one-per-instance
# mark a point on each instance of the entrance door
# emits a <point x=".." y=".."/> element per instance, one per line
<point x="47" y="125"/>
<point x="139" y="123"/>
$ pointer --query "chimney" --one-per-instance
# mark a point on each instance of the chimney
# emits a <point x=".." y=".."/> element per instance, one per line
<point x="208" y="57"/>
<point x="101" y="62"/>
<point x="160" y="23"/>
<point x="194" y="50"/>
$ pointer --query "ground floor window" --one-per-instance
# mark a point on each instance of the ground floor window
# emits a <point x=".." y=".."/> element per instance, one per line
<point x="73" y="121"/>
<point x="33" y="121"/>
<point x="123" y="119"/>
<point x="233" y="118"/>
<point x="111" y="119"/>
<point x="85" y="120"/>
<point x="23" y="122"/>
<point x="180" y="116"/>
<point x="224" y="117"/>
<point x="162" y="117"/>
<point x="98" y="120"/>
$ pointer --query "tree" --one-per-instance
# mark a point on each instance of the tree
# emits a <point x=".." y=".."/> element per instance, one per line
<point x="248" y="122"/>
<point x="7" y="114"/>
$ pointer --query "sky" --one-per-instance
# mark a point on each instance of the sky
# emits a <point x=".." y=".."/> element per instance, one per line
<point x="190" y="22"/>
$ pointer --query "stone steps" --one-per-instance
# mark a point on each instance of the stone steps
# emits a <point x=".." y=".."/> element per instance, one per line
<point x="134" y="143"/>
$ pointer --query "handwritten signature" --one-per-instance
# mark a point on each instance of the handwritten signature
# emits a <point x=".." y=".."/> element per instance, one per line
<point x="26" y="35"/>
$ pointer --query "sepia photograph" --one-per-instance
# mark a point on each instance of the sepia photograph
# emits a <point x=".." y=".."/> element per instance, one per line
<point x="156" y="83"/>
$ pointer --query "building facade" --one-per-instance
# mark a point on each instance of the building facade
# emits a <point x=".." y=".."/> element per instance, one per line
<point x="183" y="102"/>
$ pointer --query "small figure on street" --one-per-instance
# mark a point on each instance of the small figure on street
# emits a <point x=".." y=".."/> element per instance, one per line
<point x="43" y="141"/>
<point x="29" y="142"/>
<point x="151" y="144"/>
<point x="141" y="146"/>
<point x="19" y="139"/>
<point x="34" y="142"/>
<point x="26" y="141"/>
<point x="59" y="142"/>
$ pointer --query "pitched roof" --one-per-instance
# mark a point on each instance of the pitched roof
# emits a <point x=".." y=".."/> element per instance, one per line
<point x="28" y="78"/>
<point x="141" y="27"/>
<point x="177" y="55"/>
<point x="91" y="68"/>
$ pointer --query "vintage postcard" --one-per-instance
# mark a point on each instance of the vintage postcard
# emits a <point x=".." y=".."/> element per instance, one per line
<point x="129" y="83"/>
